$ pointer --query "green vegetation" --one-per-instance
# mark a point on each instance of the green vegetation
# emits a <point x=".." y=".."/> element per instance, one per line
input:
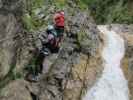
<point x="81" y="36"/>
<point x="12" y="75"/>
<point x="36" y="10"/>
<point x="111" y="11"/>
<point x="59" y="3"/>
<point x="82" y="5"/>
<point x="107" y="11"/>
<point x="32" y="9"/>
<point x="31" y="67"/>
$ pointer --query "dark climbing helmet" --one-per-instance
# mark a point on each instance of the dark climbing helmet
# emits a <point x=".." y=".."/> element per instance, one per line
<point x="59" y="19"/>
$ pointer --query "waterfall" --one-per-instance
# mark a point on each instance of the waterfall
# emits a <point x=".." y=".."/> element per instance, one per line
<point x="112" y="85"/>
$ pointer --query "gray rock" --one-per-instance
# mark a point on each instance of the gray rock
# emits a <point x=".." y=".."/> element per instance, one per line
<point x="65" y="74"/>
<point x="8" y="31"/>
<point x="16" y="90"/>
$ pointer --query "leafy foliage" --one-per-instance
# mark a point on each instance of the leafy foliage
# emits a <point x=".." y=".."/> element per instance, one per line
<point x="59" y="3"/>
<point x="36" y="10"/>
<point x="110" y="11"/>
<point x="31" y="21"/>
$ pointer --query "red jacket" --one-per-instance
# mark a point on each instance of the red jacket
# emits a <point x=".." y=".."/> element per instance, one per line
<point x="59" y="19"/>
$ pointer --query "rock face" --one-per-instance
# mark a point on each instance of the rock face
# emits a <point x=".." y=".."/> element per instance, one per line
<point x="13" y="51"/>
<point x="78" y="63"/>
<point x="16" y="90"/>
<point x="8" y="31"/>
<point x="68" y="73"/>
<point x="128" y="60"/>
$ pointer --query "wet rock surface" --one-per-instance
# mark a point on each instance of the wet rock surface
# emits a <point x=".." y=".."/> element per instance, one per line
<point x="126" y="31"/>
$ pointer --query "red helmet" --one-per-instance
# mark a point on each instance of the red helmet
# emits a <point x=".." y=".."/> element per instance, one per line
<point x="59" y="19"/>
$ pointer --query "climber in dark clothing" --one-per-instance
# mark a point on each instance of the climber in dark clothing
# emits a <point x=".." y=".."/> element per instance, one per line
<point x="55" y="32"/>
<point x="54" y="38"/>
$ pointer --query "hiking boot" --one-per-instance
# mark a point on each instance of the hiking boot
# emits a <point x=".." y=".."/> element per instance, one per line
<point x="45" y="51"/>
<point x="33" y="78"/>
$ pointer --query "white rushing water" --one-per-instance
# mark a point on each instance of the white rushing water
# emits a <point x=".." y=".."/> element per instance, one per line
<point x="112" y="85"/>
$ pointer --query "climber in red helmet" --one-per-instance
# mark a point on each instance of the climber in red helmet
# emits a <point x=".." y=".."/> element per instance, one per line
<point x="55" y="32"/>
<point x="54" y="38"/>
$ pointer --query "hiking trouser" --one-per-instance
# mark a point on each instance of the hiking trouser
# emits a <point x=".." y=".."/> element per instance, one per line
<point x="38" y="63"/>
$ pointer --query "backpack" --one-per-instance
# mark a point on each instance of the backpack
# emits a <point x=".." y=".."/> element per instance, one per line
<point x="51" y="30"/>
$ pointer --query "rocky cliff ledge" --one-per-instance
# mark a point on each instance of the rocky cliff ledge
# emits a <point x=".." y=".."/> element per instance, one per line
<point x="68" y="73"/>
